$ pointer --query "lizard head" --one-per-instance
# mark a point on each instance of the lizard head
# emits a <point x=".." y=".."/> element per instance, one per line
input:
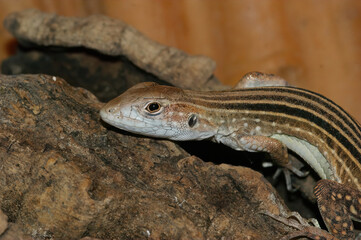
<point x="158" y="111"/>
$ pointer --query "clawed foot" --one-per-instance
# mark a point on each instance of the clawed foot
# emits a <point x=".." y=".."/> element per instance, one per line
<point x="293" y="166"/>
<point x="304" y="229"/>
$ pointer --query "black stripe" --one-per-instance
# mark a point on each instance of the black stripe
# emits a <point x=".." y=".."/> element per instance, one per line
<point x="295" y="101"/>
<point x="327" y="103"/>
<point x="278" y="108"/>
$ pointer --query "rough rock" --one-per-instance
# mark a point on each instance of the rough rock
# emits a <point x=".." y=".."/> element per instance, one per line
<point x="66" y="175"/>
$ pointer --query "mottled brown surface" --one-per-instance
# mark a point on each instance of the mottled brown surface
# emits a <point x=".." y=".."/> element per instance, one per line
<point x="3" y="222"/>
<point x="10" y="231"/>
<point x="65" y="175"/>
<point x="314" y="44"/>
<point x="114" y="38"/>
<point x="104" y="76"/>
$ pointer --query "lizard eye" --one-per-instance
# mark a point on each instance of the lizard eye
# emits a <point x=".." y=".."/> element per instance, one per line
<point x="192" y="120"/>
<point x="153" y="107"/>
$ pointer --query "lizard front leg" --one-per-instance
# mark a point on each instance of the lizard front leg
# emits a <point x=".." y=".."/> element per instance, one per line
<point x="276" y="149"/>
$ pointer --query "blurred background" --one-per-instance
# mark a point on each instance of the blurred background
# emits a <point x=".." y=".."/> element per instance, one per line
<point x="314" y="44"/>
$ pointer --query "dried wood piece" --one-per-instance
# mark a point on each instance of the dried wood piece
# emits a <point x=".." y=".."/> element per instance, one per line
<point x="10" y="231"/>
<point x="3" y="222"/>
<point x="106" y="77"/>
<point x="64" y="175"/>
<point x="114" y="37"/>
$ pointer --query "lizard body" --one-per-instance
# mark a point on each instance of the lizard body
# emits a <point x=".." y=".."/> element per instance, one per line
<point x="266" y="118"/>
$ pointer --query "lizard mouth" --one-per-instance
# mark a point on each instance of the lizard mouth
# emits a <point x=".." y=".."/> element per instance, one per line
<point x="128" y="123"/>
<point x="104" y="113"/>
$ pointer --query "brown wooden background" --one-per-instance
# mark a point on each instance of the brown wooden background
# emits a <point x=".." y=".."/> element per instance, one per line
<point x="315" y="44"/>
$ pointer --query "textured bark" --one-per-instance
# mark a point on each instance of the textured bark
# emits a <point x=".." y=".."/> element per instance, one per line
<point x="3" y="222"/>
<point x="115" y="38"/>
<point x="104" y="76"/>
<point x="66" y="176"/>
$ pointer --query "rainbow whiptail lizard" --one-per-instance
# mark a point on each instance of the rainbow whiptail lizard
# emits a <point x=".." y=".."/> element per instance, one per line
<point x="261" y="115"/>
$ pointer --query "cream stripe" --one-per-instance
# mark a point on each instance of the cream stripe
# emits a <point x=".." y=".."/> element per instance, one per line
<point x="340" y="162"/>
<point x="205" y="96"/>
<point x="355" y="130"/>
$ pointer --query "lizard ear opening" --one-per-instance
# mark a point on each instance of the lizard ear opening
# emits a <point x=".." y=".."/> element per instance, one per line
<point x="192" y="120"/>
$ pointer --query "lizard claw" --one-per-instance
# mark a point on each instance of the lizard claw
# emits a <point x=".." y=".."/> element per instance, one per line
<point x="291" y="167"/>
<point x="287" y="175"/>
<point x="297" y="171"/>
<point x="304" y="229"/>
